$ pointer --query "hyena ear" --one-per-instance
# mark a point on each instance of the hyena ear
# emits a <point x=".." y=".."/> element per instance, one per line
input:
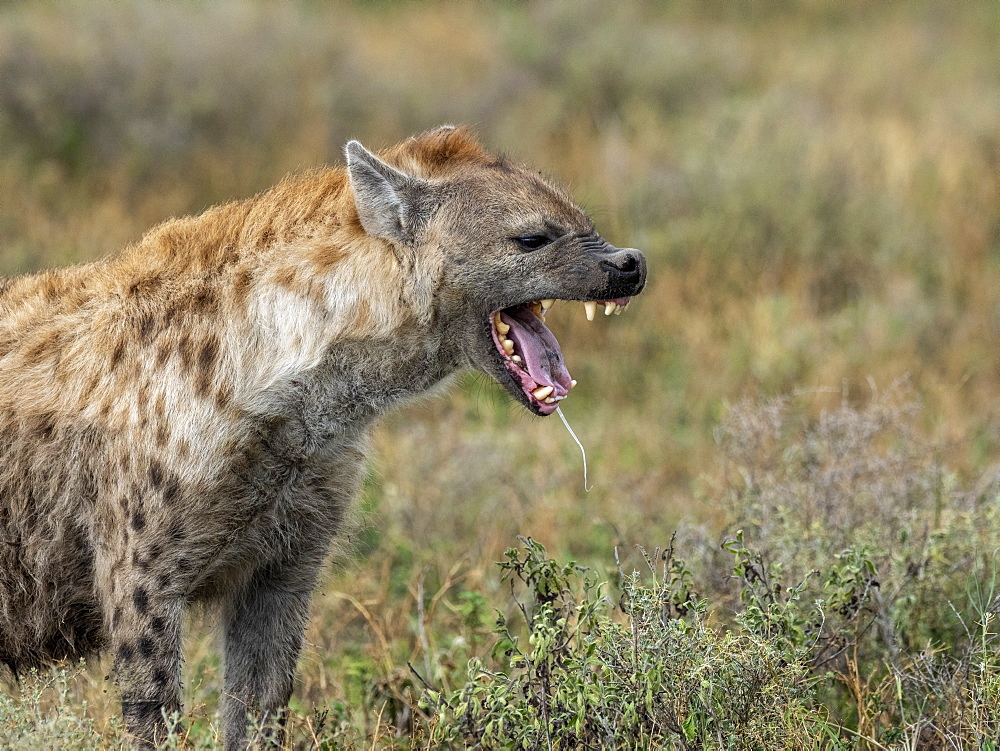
<point x="388" y="200"/>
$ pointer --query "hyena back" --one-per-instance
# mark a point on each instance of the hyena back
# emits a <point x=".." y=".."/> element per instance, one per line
<point x="187" y="421"/>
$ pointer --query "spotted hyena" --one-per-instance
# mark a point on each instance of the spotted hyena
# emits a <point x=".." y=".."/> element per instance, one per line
<point x="187" y="421"/>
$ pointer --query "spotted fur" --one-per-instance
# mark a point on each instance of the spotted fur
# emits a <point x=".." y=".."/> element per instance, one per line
<point x="187" y="421"/>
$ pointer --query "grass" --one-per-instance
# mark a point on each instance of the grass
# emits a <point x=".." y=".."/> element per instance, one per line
<point x="806" y="393"/>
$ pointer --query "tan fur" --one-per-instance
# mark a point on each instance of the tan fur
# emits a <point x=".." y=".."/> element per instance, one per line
<point x="187" y="421"/>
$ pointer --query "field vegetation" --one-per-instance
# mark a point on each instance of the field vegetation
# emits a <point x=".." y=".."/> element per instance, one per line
<point x="792" y="436"/>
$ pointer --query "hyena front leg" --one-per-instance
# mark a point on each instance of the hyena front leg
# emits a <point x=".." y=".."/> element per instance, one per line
<point x="264" y="623"/>
<point x="144" y="620"/>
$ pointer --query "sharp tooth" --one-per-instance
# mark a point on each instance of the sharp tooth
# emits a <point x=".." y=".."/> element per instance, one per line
<point x="550" y="400"/>
<point x="619" y="309"/>
<point x="546" y="304"/>
<point x="502" y="327"/>
<point x="516" y="358"/>
<point x="591" y="308"/>
<point x="572" y="384"/>
<point x="541" y="392"/>
<point x="508" y="345"/>
<point x="609" y="307"/>
<point x="536" y="308"/>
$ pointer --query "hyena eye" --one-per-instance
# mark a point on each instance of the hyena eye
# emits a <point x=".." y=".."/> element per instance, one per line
<point x="532" y="242"/>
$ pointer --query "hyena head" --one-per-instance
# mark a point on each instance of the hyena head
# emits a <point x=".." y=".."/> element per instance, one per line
<point x="498" y="243"/>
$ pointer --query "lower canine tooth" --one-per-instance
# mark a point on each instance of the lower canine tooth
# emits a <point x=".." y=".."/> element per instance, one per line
<point x="550" y="400"/>
<point x="609" y="307"/>
<point x="542" y="391"/>
<point x="572" y="383"/>
<point x="591" y="308"/>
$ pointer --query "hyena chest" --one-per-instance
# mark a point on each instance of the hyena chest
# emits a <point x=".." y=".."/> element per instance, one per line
<point x="289" y="486"/>
<point x="276" y="510"/>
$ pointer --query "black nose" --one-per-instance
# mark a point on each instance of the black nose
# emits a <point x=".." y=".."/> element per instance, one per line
<point x="626" y="270"/>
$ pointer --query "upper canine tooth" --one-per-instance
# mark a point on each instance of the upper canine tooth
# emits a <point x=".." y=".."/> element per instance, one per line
<point x="572" y="383"/>
<point x="546" y="304"/>
<point x="619" y="309"/>
<point x="502" y="327"/>
<point x="609" y="307"/>
<point x="537" y="309"/>
<point x="542" y="391"/>
<point x="591" y="308"/>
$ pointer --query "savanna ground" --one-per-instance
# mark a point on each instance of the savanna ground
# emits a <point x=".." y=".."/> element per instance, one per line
<point x="808" y="392"/>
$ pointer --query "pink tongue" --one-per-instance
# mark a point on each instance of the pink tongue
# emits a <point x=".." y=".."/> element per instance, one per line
<point x="540" y="349"/>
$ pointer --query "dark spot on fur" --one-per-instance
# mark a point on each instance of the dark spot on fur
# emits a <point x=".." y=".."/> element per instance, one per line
<point x="116" y="618"/>
<point x="161" y="678"/>
<point x="169" y="314"/>
<point x="138" y="521"/>
<point x="146" y="329"/>
<point x="241" y="285"/>
<point x="223" y="396"/>
<point x="186" y="349"/>
<point x="145" y="646"/>
<point x="45" y="426"/>
<point x="171" y="490"/>
<point x="285" y="277"/>
<point x="163" y="581"/>
<point x="208" y="353"/>
<point x="203" y="300"/>
<point x="159" y="625"/>
<point x="183" y="566"/>
<point x="117" y="355"/>
<point x="40" y="348"/>
<point x="142" y="398"/>
<point x="125" y="652"/>
<point x="155" y="551"/>
<point x="176" y="531"/>
<point x="156" y="473"/>
<point x="162" y="353"/>
<point x="141" y="600"/>
<point x="162" y="436"/>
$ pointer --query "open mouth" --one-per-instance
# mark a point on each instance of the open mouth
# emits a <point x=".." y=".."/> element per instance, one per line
<point x="531" y="352"/>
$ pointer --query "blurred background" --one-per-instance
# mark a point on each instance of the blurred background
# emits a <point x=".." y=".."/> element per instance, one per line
<point x="816" y="184"/>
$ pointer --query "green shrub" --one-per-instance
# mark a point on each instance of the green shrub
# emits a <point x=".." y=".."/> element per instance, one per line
<point x="580" y="673"/>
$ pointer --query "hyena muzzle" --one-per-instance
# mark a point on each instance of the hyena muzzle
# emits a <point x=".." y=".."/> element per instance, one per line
<point x="186" y="421"/>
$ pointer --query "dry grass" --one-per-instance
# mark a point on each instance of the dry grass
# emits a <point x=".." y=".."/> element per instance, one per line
<point x="817" y="186"/>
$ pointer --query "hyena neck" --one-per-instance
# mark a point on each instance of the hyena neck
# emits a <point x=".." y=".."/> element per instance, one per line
<point x="354" y="384"/>
<point x="334" y="328"/>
